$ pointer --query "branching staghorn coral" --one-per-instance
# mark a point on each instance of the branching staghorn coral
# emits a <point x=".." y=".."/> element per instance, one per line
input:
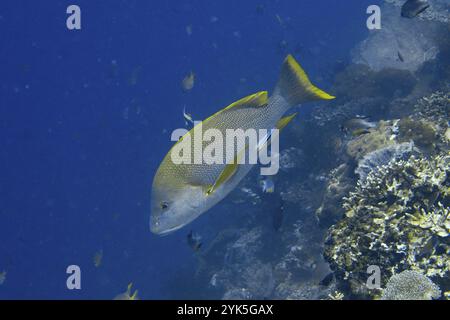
<point x="397" y="219"/>
<point x="434" y="109"/>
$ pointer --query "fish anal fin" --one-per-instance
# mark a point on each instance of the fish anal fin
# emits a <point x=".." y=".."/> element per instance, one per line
<point x="283" y="122"/>
<point x="295" y="86"/>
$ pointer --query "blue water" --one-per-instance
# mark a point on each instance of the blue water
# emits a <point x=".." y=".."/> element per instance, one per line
<point x="86" y="118"/>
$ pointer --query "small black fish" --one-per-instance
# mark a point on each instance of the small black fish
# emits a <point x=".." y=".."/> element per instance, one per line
<point x="283" y="46"/>
<point x="299" y="49"/>
<point x="412" y="8"/>
<point x="194" y="241"/>
<point x="326" y="281"/>
<point x="278" y="214"/>
<point x="400" y="57"/>
<point x="260" y="9"/>
<point x="278" y="217"/>
<point x="274" y="205"/>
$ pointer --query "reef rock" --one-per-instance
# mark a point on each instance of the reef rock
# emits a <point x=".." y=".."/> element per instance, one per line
<point x="438" y="10"/>
<point x="400" y="43"/>
<point x="339" y="184"/>
<point x="376" y="159"/>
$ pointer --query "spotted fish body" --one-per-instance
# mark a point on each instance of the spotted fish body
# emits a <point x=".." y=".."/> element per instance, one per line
<point x="182" y="192"/>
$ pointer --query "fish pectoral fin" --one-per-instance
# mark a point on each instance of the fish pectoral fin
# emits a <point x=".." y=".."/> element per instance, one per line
<point x="228" y="172"/>
<point x="283" y="122"/>
<point x="225" y="175"/>
<point x="255" y="100"/>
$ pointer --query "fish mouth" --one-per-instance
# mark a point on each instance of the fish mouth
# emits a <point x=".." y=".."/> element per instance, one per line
<point x="165" y="232"/>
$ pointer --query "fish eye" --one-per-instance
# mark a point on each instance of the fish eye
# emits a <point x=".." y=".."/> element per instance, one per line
<point x="164" y="205"/>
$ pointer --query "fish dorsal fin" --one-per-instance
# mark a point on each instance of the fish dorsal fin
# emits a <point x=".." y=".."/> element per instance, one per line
<point x="255" y="100"/>
<point x="295" y="86"/>
<point x="283" y="122"/>
<point x="228" y="172"/>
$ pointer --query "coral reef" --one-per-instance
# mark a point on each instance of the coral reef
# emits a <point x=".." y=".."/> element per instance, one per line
<point x="422" y="132"/>
<point x="397" y="218"/>
<point x="428" y="123"/>
<point x="384" y="195"/>
<point x="410" y="285"/>
<point x="434" y="108"/>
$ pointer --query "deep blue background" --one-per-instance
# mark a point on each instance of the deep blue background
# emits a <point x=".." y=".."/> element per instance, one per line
<point x="86" y="116"/>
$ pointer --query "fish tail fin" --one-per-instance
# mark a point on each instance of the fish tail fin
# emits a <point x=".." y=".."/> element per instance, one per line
<point x="295" y="86"/>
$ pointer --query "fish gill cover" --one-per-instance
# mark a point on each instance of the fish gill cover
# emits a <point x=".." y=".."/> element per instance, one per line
<point x="359" y="208"/>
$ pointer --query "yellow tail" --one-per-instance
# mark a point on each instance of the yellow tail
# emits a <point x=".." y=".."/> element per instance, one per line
<point x="294" y="84"/>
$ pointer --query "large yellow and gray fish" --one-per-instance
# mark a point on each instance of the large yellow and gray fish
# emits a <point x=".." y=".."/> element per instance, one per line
<point x="182" y="192"/>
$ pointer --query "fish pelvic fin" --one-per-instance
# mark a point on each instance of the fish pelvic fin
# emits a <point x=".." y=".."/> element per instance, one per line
<point x="295" y="86"/>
